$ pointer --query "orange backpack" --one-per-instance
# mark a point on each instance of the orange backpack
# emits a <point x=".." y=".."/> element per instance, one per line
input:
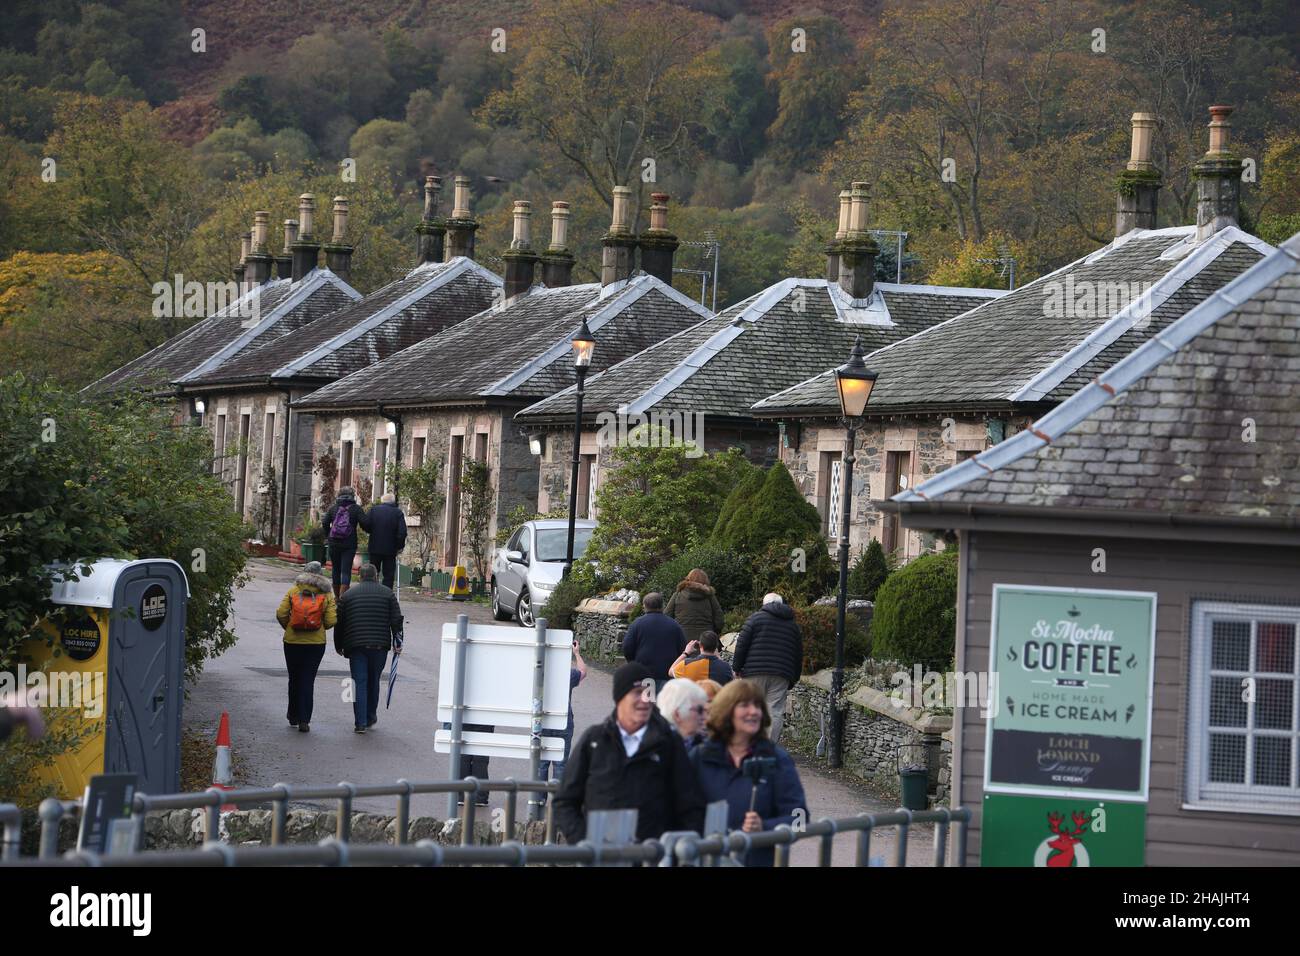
<point x="307" y="611"/>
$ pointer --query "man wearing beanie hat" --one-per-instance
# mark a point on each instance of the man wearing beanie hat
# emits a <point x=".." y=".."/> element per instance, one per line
<point x="633" y="760"/>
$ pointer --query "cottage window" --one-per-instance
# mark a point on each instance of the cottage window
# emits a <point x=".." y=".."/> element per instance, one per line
<point x="1243" y="718"/>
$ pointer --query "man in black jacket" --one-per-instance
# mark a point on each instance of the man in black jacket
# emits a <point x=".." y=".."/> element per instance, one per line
<point x="369" y="624"/>
<point x="633" y="760"/>
<point x="387" y="526"/>
<point x="654" y="639"/>
<point x="769" y="652"/>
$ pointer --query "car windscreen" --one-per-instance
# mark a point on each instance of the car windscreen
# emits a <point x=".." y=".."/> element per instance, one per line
<point x="553" y="543"/>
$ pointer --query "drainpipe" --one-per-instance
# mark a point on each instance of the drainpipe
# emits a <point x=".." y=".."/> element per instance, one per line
<point x="284" y="467"/>
<point x="397" y="437"/>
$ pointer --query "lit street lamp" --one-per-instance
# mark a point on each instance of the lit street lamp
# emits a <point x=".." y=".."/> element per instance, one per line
<point x="583" y="345"/>
<point x="854" y="382"/>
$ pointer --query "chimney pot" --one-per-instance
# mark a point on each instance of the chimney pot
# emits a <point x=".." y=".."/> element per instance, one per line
<point x="1219" y="127"/>
<point x="460" y="207"/>
<point x="461" y="226"/>
<point x="306" y="216"/>
<point x="659" y="212"/>
<point x="857" y="250"/>
<point x="1143" y="131"/>
<point x="1138" y="198"/>
<point x="658" y="245"/>
<point x="523" y="225"/>
<point x="245" y="246"/>
<point x="618" y="254"/>
<point x="846" y="199"/>
<point x="559" y="226"/>
<point x="1218" y="179"/>
<point x="340" y="220"/>
<point x="261" y="221"/>
<point x="432" y="186"/>
<point x="557" y="261"/>
<point x="621" y="224"/>
<point x="290" y="234"/>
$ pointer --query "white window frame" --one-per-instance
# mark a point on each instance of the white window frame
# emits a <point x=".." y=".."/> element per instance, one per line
<point x="1245" y="797"/>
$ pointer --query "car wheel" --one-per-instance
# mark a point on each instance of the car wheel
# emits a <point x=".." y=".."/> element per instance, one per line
<point x="524" y="611"/>
<point x="498" y="612"/>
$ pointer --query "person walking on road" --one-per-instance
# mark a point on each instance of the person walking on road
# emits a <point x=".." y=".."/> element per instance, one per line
<point x="369" y="626"/>
<point x="341" y="523"/>
<point x="633" y="760"/>
<point x="387" y="526"/>
<point x="654" y="639"/>
<point x="577" y="674"/>
<point x="695" y="607"/>
<point x="741" y="765"/>
<point x="306" y="613"/>
<point x="769" y="653"/>
<point x="702" y="661"/>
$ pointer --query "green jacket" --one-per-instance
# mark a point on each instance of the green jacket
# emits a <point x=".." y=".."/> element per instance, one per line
<point x="696" y="609"/>
<point x="309" y="584"/>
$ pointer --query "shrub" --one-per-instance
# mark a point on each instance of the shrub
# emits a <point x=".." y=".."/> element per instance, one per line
<point x="568" y="594"/>
<point x="869" y="572"/>
<point x="731" y="575"/>
<point x="774" y="512"/>
<point x="799" y="569"/>
<point x="818" y="625"/>
<point x="737" y="503"/>
<point x="915" y="617"/>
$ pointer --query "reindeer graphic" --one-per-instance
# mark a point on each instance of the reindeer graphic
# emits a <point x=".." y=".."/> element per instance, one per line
<point x="1065" y="842"/>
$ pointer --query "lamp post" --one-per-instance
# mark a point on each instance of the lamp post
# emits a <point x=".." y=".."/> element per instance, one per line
<point x="854" y="382"/>
<point x="583" y="345"/>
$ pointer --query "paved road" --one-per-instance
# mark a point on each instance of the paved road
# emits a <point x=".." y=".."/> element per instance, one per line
<point x="249" y="682"/>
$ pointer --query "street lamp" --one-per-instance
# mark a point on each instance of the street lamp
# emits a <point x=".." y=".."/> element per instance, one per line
<point x="854" y="382"/>
<point x="583" y="345"/>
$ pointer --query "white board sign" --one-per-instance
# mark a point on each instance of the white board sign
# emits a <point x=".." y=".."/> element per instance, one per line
<point x="499" y="663"/>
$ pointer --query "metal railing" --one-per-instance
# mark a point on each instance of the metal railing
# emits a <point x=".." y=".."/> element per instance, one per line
<point x="672" y="849"/>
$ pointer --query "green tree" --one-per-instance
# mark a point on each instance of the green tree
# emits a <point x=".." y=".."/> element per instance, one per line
<point x="420" y="488"/>
<point x="813" y="72"/>
<point x="915" y="618"/>
<point x="654" y="502"/>
<point x="476" y="501"/>
<point x="869" y="571"/>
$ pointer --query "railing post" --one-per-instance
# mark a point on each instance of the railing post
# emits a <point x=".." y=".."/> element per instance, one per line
<point x="827" y="844"/>
<point x="467" y="814"/>
<point x="51" y="814"/>
<point x="783" y="849"/>
<point x="550" y="815"/>
<point x="535" y="737"/>
<point x="864" y="841"/>
<point x="458" y="707"/>
<point x="279" y="814"/>
<point x="343" y="831"/>
<point x="512" y="805"/>
<point x="941" y="836"/>
<point x="212" y="829"/>
<point x="962" y="827"/>
<point x="403" y="812"/>
<point x="900" y="858"/>
<point x="13" y="831"/>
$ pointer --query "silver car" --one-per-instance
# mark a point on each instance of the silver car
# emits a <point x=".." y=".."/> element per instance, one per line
<point x="527" y="569"/>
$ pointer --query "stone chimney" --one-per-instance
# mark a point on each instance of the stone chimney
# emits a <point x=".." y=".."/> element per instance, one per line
<point x="857" y="249"/>
<point x="1139" y="184"/>
<point x="619" y="254"/>
<point x="306" y="250"/>
<point x="657" y="243"/>
<point x="1218" y="179"/>
<point x="557" y="260"/>
<point x="245" y="247"/>
<point x="432" y="229"/>
<point x="338" y="254"/>
<point x="521" y="261"/>
<point x="284" y="261"/>
<point x="833" y="247"/>
<point x="461" y="225"/>
<point x="259" y="262"/>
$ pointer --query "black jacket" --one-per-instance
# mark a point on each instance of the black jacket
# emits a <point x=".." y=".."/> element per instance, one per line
<point x="658" y="781"/>
<point x="770" y="644"/>
<point x="359" y="520"/>
<point x="387" y="527"/>
<point x="368" y="617"/>
<point x="655" y="640"/>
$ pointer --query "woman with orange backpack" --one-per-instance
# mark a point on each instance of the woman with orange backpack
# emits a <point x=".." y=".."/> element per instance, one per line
<point x="306" y="613"/>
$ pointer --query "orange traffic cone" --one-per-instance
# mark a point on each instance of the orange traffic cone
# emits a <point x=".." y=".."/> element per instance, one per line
<point x="222" y="778"/>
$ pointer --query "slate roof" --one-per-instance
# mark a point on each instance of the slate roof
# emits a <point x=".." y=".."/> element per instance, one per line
<point x="1043" y="341"/>
<point x="427" y="300"/>
<point x="774" y="338"/>
<point x="282" y="306"/>
<point x="519" y="350"/>
<point x="1163" y="430"/>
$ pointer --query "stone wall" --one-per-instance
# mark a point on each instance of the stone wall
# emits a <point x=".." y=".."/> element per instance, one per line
<point x="184" y="829"/>
<point x="600" y="624"/>
<point x="873" y="731"/>
<point x="935" y="443"/>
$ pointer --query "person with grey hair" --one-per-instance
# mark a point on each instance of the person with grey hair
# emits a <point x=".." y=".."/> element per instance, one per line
<point x="306" y="613"/>
<point x="685" y="705"/>
<point x="654" y="639"/>
<point x="769" y="654"/>
<point x="387" y="526"/>
<point x="369" y="626"/>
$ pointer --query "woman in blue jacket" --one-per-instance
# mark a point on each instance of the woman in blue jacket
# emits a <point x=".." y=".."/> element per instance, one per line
<point x="738" y="724"/>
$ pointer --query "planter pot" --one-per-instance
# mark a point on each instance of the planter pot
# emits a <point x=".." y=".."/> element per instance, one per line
<point x="295" y="548"/>
<point x="313" y="552"/>
<point x="362" y="557"/>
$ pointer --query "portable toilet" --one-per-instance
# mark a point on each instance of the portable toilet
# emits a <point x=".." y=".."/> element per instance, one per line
<point x="123" y="637"/>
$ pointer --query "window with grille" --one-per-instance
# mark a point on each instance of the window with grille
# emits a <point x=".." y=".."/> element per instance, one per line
<point x="1243" y="717"/>
<point x="833" y="505"/>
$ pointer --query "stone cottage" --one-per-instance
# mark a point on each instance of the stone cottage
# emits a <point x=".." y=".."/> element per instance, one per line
<point x="700" y="383"/>
<point x="953" y="390"/>
<point x="250" y="395"/>
<point x="453" y="397"/>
